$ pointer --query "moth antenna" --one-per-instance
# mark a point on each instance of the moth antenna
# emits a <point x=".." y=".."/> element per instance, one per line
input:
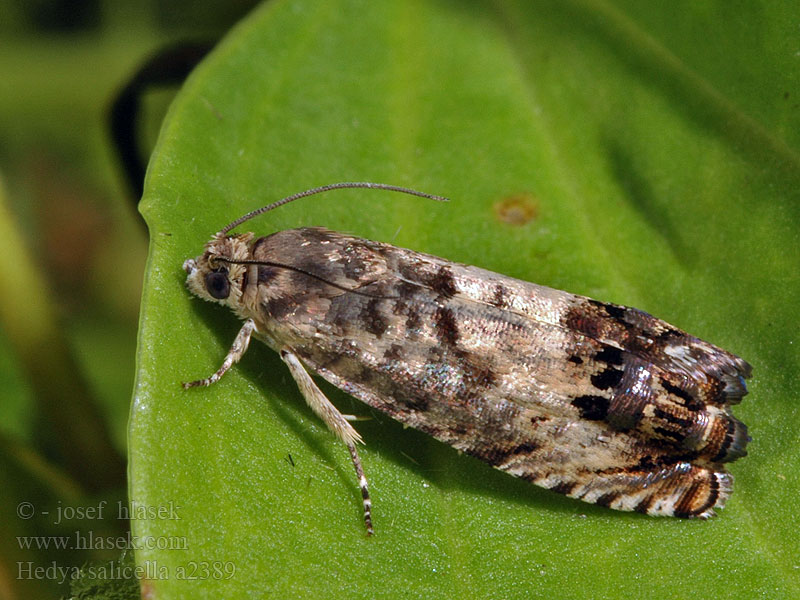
<point x="327" y="188"/>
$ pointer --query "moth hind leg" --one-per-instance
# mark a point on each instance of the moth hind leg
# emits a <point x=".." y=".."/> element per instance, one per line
<point x="336" y="422"/>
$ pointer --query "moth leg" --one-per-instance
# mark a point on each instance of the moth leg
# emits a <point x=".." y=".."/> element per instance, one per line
<point x="336" y="422"/>
<point x="238" y="348"/>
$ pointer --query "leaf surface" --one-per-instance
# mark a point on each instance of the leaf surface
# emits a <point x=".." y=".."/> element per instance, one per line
<point x="603" y="148"/>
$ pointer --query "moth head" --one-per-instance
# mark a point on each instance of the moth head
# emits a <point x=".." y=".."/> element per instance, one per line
<point x="212" y="276"/>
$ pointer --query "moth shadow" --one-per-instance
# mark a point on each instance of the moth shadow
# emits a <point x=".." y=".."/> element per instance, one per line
<point x="641" y="196"/>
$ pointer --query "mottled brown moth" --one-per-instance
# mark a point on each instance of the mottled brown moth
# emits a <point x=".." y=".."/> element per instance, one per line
<point x="597" y="401"/>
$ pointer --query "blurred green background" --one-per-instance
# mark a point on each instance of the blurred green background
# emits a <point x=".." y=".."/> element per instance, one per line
<point x="74" y="251"/>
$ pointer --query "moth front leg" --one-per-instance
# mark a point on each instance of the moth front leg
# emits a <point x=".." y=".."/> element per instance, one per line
<point x="336" y="422"/>
<point x="238" y="348"/>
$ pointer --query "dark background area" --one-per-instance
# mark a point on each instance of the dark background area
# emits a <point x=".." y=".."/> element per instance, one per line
<point x="74" y="255"/>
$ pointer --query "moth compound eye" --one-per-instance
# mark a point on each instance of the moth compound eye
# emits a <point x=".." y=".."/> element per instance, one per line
<point x="217" y="285"/>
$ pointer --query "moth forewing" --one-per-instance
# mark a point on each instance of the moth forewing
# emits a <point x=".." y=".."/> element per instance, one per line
<point x="597" y="401"/>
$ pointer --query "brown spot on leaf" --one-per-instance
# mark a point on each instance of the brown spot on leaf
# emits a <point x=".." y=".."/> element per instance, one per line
<point x="517" y="209"/>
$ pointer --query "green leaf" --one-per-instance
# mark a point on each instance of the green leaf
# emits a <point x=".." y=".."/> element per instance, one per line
<point x="619" y="150"/>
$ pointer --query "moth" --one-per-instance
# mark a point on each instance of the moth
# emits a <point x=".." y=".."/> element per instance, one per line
<point x="600" y="402"/>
